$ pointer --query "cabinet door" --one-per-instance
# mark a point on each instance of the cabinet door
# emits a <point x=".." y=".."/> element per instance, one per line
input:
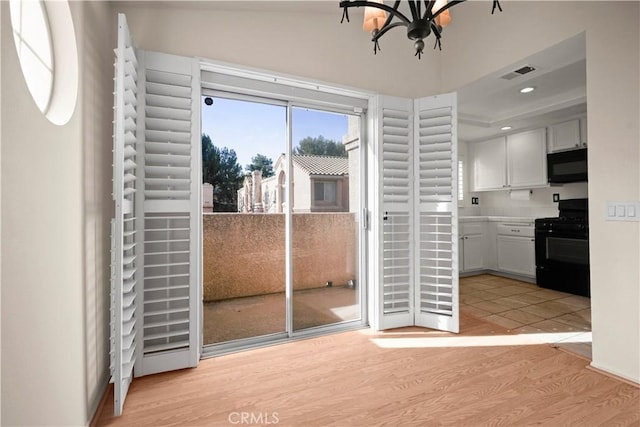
<point x="583" y="131"/>
<point x="461" y="254"/>
<point x="489" y="164"/>
<point x="564" y="136"/>
<point x="473" y="252"/>
<point x="527" y="159"/>
<point x="517" y="255"/>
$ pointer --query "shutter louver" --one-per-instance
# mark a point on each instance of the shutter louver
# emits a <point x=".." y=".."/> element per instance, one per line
<point x="434" y="154"/>
<point x="395" y="123"/>
<point x="170" y="211"/>
<point x="436" y="289"/>
<point x="124" y="265"/>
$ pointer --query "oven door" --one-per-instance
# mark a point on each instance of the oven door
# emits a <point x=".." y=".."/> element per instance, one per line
<point x="562" y="262"/>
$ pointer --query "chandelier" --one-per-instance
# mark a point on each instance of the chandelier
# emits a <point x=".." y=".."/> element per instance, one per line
<point x="379" y="18"/>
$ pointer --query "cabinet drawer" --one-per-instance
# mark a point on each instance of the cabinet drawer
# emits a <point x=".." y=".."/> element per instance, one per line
<point x="516" y="230"/>
<point x="470" y="228"/>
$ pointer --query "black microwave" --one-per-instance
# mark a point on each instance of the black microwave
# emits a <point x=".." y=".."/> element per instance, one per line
<point x="567" y="166"/>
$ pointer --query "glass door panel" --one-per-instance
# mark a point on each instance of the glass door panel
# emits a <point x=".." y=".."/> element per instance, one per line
<point x="325" y="164"/>
<point x="243" y="220"/>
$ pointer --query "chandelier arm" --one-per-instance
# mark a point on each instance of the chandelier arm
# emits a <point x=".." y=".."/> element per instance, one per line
<point x="447" y="6"/>
<point x="390" y="16"/>
<point x="391" y="10"/>
<point x="496" y="3"/>
<point x="437" y="34"/>
<point x="384" y="29"/>
<point x="429" y="5"/>
<point x="414" y="10"/>
<point x="419" y="8"/>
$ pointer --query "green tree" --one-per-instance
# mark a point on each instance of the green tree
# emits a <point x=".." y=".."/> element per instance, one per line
<point x="262" y="163"/>
<point x="320" y="146"/>
<point x="220" y="168"/>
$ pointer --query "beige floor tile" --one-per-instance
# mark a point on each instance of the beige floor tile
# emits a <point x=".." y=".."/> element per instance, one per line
<point x="470" y="299"/>
<point x="585" y="314"/>
<point x="549" y="294"/>
<point x="503" y="321"/>
<point x="527" y="299"/>
<point x="473" y="287"/>
<point x="528" y="329"/>
<point x="552" y="326"/>
<point x="474" y="311"/>
<point x="574" y="320"/>
<point x="508" y="291"/>
<point x="576" y="301"/>
<point x="558" y="307"/>
<point x="522" y="316"/>
<point x="485" y="295"/>
<point x="511" y="302"/>
<point x="491" y="306"/>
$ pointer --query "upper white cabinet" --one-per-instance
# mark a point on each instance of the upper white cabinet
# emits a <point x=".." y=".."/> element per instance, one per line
<point x="489" y="164"/>
<point x="568" y="135"/>
<point x="527" y="159"/>
<point x="515" y="161"/>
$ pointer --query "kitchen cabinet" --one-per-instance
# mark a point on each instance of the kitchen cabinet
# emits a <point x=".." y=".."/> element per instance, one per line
<point x="489" y="164"/>
<point x="516" y="249"/>
<point x="527" y="159"/>
<point x="568" y="135"/>
<point x="472" y="247"/>
<point x="514" y="161"/>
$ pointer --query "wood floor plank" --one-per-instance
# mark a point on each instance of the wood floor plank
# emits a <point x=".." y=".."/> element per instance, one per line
<point x="350" y="379"/>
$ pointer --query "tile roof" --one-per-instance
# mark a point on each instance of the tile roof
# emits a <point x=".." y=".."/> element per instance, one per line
<point x="322" y="165"/>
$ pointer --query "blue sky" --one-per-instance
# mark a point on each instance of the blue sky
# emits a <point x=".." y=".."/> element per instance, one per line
<point x="250" y="128"/>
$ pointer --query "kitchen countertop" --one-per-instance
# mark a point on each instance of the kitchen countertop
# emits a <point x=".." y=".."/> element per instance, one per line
<point x="516" y="219"/>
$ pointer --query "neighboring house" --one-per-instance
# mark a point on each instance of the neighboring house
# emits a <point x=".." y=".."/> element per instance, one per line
<point x="320" y="184"/>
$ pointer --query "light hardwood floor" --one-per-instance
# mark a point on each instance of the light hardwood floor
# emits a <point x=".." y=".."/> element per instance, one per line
<point x="408" y="376"/>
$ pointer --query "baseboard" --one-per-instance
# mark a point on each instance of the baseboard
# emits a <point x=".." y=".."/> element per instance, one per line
<point x="614" y="376"/>
<point x="500" y="274"/>
<point x="108" y="392"/>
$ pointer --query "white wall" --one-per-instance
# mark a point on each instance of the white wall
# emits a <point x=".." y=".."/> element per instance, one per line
<point x="278" y="36"/>
<point x="55" y="240"/>
<point x="613" y="82"/>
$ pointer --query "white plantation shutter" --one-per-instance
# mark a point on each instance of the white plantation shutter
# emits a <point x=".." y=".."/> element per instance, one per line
<point x="169" y="89"/>
<point x="125" y="272"/>
<point x="395" y="172"/>
<point x="417" y="277"/>
<point x="435" y="155"/>
<point x="155" y="232"/>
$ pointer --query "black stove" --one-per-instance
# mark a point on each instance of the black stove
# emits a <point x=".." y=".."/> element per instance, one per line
<point x="562" y="248"/>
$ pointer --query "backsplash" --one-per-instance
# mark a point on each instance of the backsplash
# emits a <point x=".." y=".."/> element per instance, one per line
<point x="539" y="205"/>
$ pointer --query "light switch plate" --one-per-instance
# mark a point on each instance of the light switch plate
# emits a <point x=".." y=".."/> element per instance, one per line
<point x="622" y="211"/>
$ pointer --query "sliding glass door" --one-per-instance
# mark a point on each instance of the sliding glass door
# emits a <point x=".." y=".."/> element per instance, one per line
<point x="243" y="220"/>
<point x="281" y="207"/>
<point x="325" y="217"/>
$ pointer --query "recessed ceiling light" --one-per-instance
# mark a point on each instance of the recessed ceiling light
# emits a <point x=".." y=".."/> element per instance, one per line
<point x="527" y="89"/>
<point x="505" y="128"/>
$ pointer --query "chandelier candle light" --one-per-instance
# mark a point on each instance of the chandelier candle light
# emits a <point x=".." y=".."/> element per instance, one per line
<point x="379" y="18"/>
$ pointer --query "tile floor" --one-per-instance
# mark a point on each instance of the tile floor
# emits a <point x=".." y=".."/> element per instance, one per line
<point x="526" y="308"/>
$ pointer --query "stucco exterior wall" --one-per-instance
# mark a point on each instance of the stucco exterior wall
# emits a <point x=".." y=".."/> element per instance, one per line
<point x="244" y="254"/>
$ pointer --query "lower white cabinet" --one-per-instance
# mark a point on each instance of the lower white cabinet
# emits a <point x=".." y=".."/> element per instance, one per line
<point x="516" y="249"/>
<point x="472" y="247"/>
<point x="473" y="252"/>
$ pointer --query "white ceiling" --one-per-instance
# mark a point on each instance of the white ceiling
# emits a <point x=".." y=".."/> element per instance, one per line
<point x="486" y="105"/>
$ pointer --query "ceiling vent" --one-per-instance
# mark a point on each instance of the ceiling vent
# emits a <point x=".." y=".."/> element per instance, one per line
<point x="519" y="72"/>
